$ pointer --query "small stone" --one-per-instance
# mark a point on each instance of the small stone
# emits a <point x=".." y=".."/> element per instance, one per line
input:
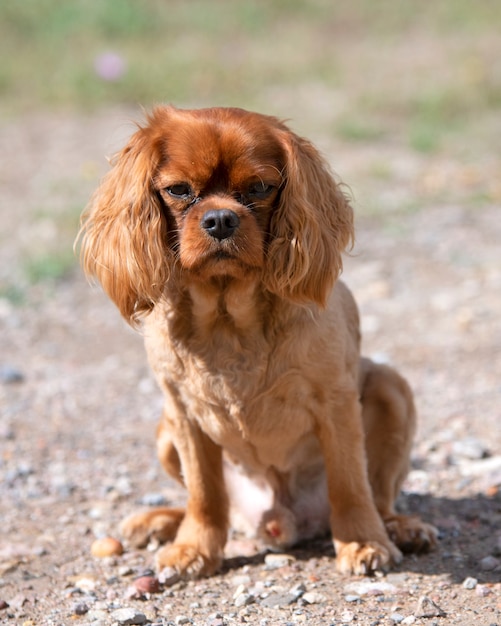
<point x="470" y="583"/>
<point x="347" y="617"/>
<point x="298" y="590"/>
<point x="10" y="375"/>
<point x="482" y="591"/>
<point x="396" y="618"/>
<point x="396" y="578"/>
<point x="469" y="448"/>
<point x="410" y="619"/>
<point x="80" y="609"/>
<point x="131" y="593"/>
<point x="40" y="551"/>
<point x="3" y="605"/>
<point x="106" y="546"/>
<point x="182" y="619"/>
<point x="489" y="563"/>
<point x="352" y="598"/>
<point x="427" y="608"/>
<point x="277" y="600"/>
<point x="244" y="599"/>
<point x="371" y="588"/>
<point x="128" y="617"/>
<point x="96" y="513"/>
<point x="239" y="591"/>
<point x="241" y="579"/>
<point x="153" y="499"/>
<point x="7" y="432"/>
<point x="276" y="561"/>
<point x="97" y="616"/>
<point x="145" y="572"/>
<point x="147" y="584"/>
<point x="86" y="583"/>
<point x="216" y="619"/>
<point x="314" y="597"/>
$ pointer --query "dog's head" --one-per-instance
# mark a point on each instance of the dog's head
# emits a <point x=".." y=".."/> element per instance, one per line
<point x="215" y="193"/>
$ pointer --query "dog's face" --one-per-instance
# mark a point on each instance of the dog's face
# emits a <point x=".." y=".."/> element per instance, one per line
<point x="219" y="180"/>
<point x="215" y="193"/>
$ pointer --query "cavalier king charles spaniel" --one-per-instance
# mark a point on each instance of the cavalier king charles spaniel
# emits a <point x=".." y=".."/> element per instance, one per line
<point x="220" y="232"/>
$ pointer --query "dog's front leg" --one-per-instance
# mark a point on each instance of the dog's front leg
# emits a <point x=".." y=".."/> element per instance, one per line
<point x="199" y="544"/>
<point x="360" y="539"/>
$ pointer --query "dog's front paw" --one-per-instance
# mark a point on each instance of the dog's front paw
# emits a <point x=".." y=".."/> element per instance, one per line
<point x="187" y="561"/>
<point x="365" y="558"/>
<point x="411" y="534"/>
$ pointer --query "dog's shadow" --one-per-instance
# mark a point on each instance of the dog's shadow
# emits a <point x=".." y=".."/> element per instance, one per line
<point x="469" y="537"/>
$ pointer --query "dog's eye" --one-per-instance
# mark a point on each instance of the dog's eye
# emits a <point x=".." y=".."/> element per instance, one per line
<point x="260" y="190"/>
<point x="180" y="191"/>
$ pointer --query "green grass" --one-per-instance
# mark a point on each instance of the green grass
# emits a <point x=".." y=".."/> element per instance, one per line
<point x="51" y="266"/>
<point x="48" y="257"/>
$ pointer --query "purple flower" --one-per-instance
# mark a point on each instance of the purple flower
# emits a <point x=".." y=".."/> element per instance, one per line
<point x="110" y="66"/>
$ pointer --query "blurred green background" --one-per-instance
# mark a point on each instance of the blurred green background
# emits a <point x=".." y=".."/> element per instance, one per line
<point x="405" y="70"/>
<point x="422" y="78"/>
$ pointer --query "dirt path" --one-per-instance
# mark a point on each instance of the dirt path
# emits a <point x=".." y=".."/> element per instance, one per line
<point x="79" y="407"/>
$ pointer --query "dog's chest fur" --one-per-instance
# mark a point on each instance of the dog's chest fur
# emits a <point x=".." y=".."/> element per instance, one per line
<point x="240" y="370"/>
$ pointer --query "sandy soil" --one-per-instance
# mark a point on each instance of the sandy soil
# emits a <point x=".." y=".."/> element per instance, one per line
<point x="78" y="409"/>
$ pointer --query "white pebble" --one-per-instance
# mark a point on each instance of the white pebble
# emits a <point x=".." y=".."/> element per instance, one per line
<point x="153" y="499"/>
<point x="372" y="588"/>
<point x="275" y="561"/>
<point x="313" y="597"/>
<point x="244" y="599"/>
<point x="470" y="583"/>
<point x="352" y="598"/>
<point x="239" y="591"/>
<point x="128" y="617"/>
<point x="469" y="448"/>
<point x="482" y="591"/>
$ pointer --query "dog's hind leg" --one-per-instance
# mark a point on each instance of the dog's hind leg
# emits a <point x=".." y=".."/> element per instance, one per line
<point x="389" y="419"/>
<point x="159" y="524"/>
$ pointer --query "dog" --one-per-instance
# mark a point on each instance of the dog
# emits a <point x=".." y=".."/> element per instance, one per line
<point x="220" y="232"/>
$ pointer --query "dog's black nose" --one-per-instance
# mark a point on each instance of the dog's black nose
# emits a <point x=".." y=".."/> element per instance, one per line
<point x="220" y="223"/>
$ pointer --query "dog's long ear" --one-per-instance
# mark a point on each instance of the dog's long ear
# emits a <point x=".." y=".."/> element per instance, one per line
<point x="310" y="229"/>
<point x="124" y="230"/>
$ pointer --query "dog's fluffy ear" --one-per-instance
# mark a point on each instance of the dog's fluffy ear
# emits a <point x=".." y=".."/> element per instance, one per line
<point x="124" y="230"/>
<point x="311" y="228"/>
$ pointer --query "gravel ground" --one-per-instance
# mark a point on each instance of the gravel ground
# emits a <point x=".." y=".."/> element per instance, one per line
<point x="79" y="407"/>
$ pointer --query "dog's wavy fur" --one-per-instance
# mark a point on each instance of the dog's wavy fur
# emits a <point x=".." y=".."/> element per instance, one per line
<point x="220" y="232"/>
